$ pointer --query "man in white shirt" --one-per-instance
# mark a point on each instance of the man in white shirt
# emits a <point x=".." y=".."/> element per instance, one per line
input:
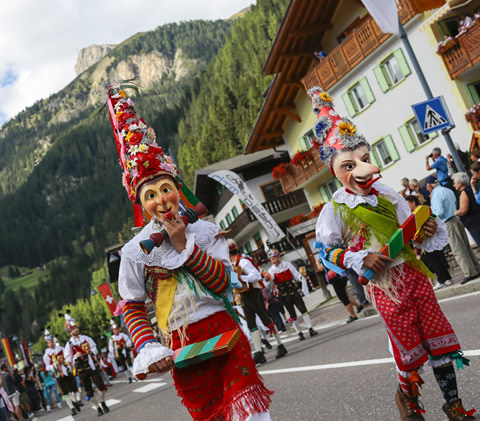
<point x="252" y="301"/>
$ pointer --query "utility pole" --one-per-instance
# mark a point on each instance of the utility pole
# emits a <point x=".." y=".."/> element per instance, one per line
<point x="428" y="93"/>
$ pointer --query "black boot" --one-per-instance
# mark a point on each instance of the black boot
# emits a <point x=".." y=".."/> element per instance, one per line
<point x="99" y="412"/>
<point x="106" y="409"/>
<point x="312" y="332"/>
<point x="300" y="336"/>
<point x="259" y="358"/>
<point x="76" y="405"/>
<point x="129" y="380"/>
<point x="281" y="351"/>
<point x="266" y="343"/>
<point x="74" y="412"/>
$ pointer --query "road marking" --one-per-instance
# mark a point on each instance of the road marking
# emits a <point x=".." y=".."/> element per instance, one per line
<point x="471" y="353"/>
<point x="69" y="418"/>
<point x="459" y="296"/>
<point x="156" y="379"/>
<point x="148" y="387"/>
<point x="109" y="403"/>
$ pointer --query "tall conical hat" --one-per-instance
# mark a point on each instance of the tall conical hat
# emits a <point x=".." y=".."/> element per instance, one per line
<point x="333" y="133"/>
<point x="140" y="157"/>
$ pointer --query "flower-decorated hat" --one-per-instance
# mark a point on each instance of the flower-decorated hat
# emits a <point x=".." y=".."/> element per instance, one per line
<point x="232" y="245"/>
<point x="140" y="157"/>
<point x="273" y="253"/>
<point x="47" y="335"/>
<point x="69" y="321"/>
<point x="333" y="132"/>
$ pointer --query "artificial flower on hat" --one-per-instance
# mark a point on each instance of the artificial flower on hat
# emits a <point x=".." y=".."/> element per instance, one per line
<point x="273" y="253"/>
<point x="333" y="133"/>
<point x="140" y="156"/>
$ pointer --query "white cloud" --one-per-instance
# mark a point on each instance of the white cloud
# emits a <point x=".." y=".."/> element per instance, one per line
<point x="40" y="40"/>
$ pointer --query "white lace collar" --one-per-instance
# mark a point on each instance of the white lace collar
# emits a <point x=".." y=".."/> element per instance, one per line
<point x="200" y="233"/>
<point x="353" y="200"/>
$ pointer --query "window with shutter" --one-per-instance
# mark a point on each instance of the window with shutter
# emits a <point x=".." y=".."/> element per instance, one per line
<point x="474" y="92"/>
<point x="385" y="152"/>
<point x="381" y="78"/>
<point x="366" y="88"/>
<point x="349" y="104"/>
<point x="324" y="194"/>
<point x="409" y="143"/>
<point x="402" y="62"/>
<point x="392" y="149"/>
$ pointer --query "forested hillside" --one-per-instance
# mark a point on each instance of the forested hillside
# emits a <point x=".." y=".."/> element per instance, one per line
<point x="228" y="97"/>
<point x="62" y="201"/>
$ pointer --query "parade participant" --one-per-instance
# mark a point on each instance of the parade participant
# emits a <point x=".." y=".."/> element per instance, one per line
<point x="54" y="361"/>
<point x="252" y="301"/>
<point x="108" y="364"/>
<point x="363" y="215"/>
<point x="186" y="278"/>
<point x="119" y="346"/>
<point x="284" y="276"/>
<point x="81" y="351"/>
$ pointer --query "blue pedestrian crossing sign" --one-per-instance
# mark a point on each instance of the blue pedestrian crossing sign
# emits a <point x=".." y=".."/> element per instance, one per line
<point x="432" y="115"/>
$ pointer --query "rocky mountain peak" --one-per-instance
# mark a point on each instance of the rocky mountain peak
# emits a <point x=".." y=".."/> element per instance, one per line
<point x="90" y="55"/>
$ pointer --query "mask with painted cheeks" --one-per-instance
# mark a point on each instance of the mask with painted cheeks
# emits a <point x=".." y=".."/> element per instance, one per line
<point x="354" y="169"/>
<point x="160" y="196"/>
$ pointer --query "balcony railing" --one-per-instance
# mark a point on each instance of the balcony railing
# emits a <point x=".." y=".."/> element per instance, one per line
<point x="465" y="52"/>
<point x="358" y="45"/>
<point x="283" y="246"/>
<point x="296" y="175"/>
<point x="274" y="206"/>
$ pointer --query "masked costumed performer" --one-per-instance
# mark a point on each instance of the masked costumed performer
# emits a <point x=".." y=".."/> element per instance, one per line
<point x="284" y="276"/>
<point x="54" y="360"/>
<point x="81" y="351"/>
<point x="252" y="301"/>
<point x="119" y="346"/>
<point x="186" y="278"/>
<point x="359" y="220"/>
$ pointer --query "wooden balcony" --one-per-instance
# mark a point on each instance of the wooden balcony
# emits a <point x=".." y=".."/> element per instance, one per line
<point x="358" y="45"/>
<point x="297" y="175"/>
<point x="465" y="52"/>
<point x="283" y="246"/>
<point x="274" y="206"/>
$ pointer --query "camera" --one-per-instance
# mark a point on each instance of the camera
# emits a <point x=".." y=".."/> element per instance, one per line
<point x="431" y="155"/>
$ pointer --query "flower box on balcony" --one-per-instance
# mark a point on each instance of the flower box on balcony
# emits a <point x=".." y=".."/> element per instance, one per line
<point x="445" y="45"/>
<point x="302" y="159"/>
<point x="280" y="170"/>
<point x="473" y="117"/>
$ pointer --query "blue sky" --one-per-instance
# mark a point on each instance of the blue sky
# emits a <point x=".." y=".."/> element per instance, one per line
<point x="40" y="40"/>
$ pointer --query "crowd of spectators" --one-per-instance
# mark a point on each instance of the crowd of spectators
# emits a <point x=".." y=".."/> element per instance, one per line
<point x="454" y="197"/>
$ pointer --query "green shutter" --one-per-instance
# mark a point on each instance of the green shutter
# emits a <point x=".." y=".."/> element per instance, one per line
<point x="432" y="135"/>
<point x="303" y="144"/>
<point x="324" y="194"/>
<point x="407" y="138"/>
<point x="349" y="104"/>
<point x="392" y="150"/>
<point x="473" y="93"/>
<point x="366" y="88"/>
<point x="402" y="62"/>
<point x="381" y="79"/>
<point x="373" y="158"/>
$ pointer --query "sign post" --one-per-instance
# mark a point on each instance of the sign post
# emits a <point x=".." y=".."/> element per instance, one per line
<point x="433" y="115"/>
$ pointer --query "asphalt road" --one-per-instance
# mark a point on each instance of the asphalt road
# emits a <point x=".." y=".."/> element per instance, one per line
<point x="344" y="373"/>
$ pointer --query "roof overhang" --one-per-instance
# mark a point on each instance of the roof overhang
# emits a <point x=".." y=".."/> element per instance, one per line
<point x="291" y="57"/>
